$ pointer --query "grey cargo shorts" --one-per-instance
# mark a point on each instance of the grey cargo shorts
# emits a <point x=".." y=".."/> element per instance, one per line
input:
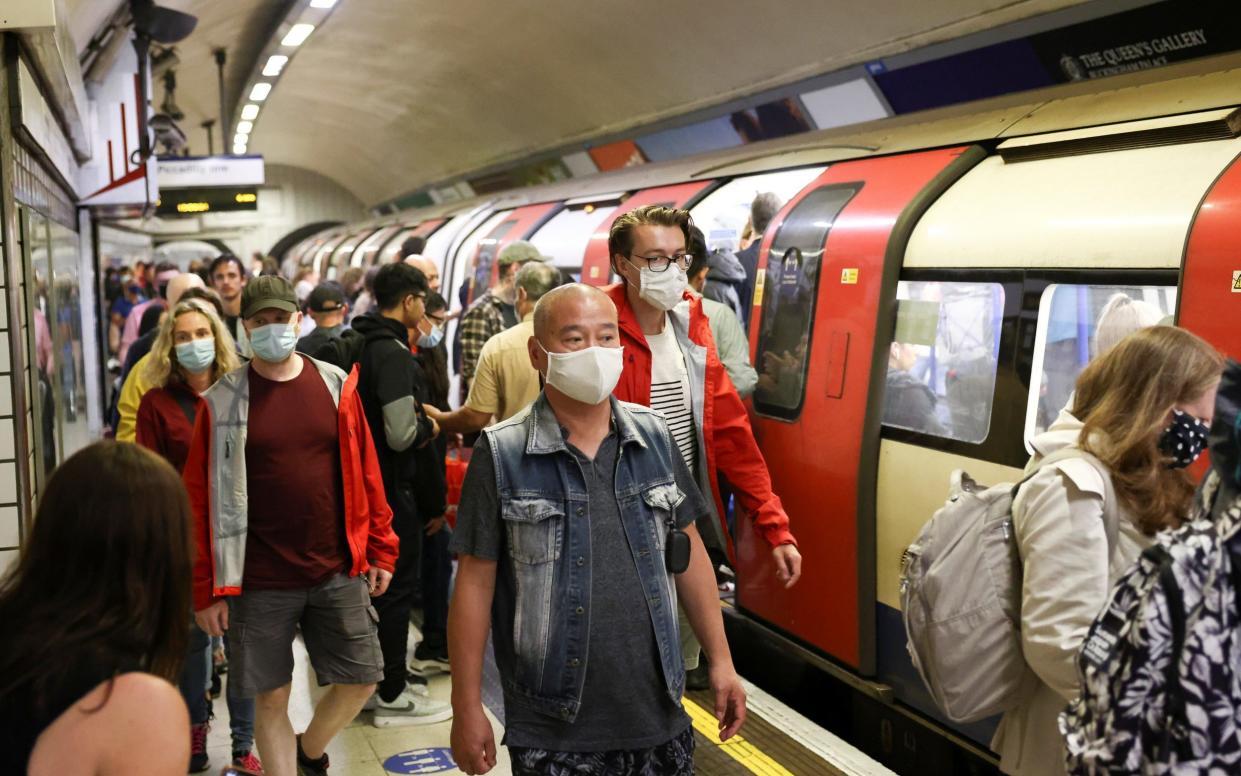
<point x="338" y="623"/>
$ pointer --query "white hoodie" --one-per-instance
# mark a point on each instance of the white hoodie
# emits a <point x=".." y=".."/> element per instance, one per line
<point x="1058" y="519"/>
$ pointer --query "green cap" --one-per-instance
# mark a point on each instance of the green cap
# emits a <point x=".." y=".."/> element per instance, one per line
<point x="520" y="251"/>
<point x="267" y="291"/>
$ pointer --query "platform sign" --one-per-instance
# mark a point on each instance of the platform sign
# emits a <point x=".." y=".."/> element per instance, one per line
<point x="415" y="761"/>
<point x="189" y="202"/>
<point x="180" y="172"/>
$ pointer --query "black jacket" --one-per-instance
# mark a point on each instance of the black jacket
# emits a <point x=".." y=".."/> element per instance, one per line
<point x="909" y="403"/>
<point x="393" y="388"/>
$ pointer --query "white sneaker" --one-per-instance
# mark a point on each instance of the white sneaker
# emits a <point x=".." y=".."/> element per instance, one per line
<point x="429" y="667"/>
<point x="410" y="709"/>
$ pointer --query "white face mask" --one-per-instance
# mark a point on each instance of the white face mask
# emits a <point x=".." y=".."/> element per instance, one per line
<point x="588" y="375"/>
<point x="662" y="289"/>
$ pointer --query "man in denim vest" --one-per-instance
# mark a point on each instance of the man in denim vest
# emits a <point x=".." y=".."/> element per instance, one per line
<point x="576" y="537"/>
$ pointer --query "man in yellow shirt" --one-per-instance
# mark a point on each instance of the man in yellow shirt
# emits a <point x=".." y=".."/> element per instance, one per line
<point x="504" y="381"/>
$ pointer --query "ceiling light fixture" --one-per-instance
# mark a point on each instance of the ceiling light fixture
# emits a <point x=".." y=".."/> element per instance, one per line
<point x="322" y="3"/>
<point x="240" y="139"/>
<point x="275" y="63"/>
<point x="260" y="91"/>
<point x="297" y="34"/>
<point x="245" y="127"/>
<point x="250" y="112"/>
<point x="239" y="148"/>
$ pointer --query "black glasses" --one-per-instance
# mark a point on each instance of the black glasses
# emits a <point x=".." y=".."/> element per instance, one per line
<point x="661" y="263"/>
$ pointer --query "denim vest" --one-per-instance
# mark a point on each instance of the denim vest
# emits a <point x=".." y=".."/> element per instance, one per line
<point x="541" y="632"/>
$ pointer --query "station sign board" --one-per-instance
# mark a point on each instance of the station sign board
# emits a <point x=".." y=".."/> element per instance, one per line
<point x="182" y="172"/>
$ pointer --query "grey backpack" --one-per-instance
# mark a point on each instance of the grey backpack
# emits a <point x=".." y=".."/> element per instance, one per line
<point x="961" y="594"/>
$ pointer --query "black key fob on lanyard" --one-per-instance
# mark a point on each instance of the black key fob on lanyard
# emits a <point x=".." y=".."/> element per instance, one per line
<point x="676" y="551"/>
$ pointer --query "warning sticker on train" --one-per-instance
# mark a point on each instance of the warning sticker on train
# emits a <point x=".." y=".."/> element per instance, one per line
<point x="1236" y="281"/>
<point x="848" y="277"/>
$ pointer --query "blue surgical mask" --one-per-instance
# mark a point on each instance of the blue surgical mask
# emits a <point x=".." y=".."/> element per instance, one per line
<point x="274" y="342"/>
<point x="433" y="339"/>
<point x="196" y="356"/>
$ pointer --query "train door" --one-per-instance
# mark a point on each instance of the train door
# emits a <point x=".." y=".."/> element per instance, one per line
<point x="596" y="266"/>
<point x="516" y="226"/>
<point x="392" y="248"/>
<point x="566" y="235"/>
<point x="363" y="255"/>
<point x="1210" y="302"/>
<point x="826" y="284"/>
<point x="340" y="256"/>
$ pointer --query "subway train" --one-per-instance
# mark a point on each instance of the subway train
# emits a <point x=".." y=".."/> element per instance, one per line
<point x="983" y="243"/>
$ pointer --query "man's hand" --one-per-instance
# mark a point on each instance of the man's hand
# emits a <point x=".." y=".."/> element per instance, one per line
<point x="377" y="580"/>
<point x="729" y="699"/>
<point x="788" y="564"/>
<point x="435" y="525"/>
<point x="432" y="412"/>
<point x="213" y="619"/>
<point x="473" y="742"/>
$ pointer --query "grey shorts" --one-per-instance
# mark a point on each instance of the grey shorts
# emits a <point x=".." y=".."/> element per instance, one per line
<point x="338" y="623"/>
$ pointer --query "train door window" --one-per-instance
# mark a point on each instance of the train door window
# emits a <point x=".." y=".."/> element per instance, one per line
<point x="566" y="235"/>
<point x="488" y="249"/>
<point x="722" y="214"/>
<point x="1077" y="323"/>
<point x="943" y="359"/>
<point x="341" y="256"/>
<point x="791" y="287"/>
<point x="467" y="251"/>
<point x="363" y="256"/>
<point x="392" y="248"/>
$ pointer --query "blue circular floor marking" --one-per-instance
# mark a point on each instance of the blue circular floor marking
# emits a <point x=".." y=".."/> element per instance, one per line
<point x="431" y="760"/>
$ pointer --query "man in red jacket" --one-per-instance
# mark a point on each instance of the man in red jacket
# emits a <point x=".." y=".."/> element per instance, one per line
<point x="671" y="365"/>
<point x="292" y="529"/>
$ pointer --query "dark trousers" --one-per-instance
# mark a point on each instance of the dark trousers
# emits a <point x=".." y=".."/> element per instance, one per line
<point x="436" y="577"/>
<point x="196" y="676"/>
<point x="394" y="605"/>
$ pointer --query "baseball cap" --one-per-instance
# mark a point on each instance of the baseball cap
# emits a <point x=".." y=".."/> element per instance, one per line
<point x="267" y="291"/>
<point x="326" y="298"/>
<point x="520" y="251"/>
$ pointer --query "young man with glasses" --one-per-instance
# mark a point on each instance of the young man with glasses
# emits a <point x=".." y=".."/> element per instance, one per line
<point x="672" y="365"/>
<point x="393" y="388"/>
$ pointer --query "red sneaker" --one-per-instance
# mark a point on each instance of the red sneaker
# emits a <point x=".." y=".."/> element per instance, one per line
<point x="198" y="748"/>
<point x="248" y="761"/>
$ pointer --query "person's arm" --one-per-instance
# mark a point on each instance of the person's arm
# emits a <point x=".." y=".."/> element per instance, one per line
<point x="469" y="621"/>
<point x="700" y="598"/>
<point x="1063" y="541"/>
<point x="737" y="455"/>
<point x="405" y="424"/>
<point x="148" y="430"/>
<point x="483" y="401"/>
<point x="382" y="544"/>
<point x="734" y="350"/>
<point x="474" y="335"/>
<point x="132" y="391"/>
<point x="478" y="542"/>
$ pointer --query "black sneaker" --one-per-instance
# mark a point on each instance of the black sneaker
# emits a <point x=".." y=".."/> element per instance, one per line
<point x="307" y="766"/>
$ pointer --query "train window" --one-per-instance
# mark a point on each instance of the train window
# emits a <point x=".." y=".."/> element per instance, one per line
<point x="566" y="235"/>
<point x="723" y="213"/>
<point x="370" y="246"/>
<point x="1075" y="324"/>
<point x="943" y="358"/>
<point x="788" y="300"/>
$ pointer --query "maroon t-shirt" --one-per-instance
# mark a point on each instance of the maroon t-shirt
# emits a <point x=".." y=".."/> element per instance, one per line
<point x="296" y="511"/>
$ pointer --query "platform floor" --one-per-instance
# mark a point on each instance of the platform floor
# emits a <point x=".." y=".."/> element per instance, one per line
<point x="776" y="741"/>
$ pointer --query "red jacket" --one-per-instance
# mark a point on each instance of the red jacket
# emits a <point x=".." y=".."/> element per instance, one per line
<point x="729" y="440"/>
<point x="368" y="519"/>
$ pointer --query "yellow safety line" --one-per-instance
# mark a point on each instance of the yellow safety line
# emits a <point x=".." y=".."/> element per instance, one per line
<point x="752" y="758"/>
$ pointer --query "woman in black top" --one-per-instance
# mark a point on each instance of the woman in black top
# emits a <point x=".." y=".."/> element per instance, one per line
<point x="94" y="622"/>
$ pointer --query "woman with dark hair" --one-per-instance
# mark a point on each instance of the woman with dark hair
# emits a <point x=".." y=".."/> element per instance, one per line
<point x="94" y="616"/>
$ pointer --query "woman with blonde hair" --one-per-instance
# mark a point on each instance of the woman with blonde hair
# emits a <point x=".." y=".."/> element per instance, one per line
<point x="1141" y="412"/>
<point x="192" y="350"/>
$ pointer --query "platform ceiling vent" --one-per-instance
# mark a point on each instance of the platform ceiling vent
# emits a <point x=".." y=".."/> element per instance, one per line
<point x="1219" y="124"/>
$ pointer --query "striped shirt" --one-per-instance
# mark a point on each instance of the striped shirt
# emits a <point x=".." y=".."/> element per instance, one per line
<point x="670" y="391"/>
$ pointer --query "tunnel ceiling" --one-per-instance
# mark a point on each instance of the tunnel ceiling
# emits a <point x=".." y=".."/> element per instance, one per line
<point x="392" y="94"/>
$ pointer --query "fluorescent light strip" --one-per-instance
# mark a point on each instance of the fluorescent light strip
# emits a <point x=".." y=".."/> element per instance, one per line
<point x="239" y="148"/>
<point x="275" y="63"/>
<point x="245" y="127"/>
<point x="260" y="91"/>
<point x="249" y="112"/>
<point x="322" y="3"/>
<point x="240" y="139"/>
<point x="297" y="34"/>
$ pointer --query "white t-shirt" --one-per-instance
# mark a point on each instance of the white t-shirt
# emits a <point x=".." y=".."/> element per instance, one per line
<point x="670" y="391"/>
